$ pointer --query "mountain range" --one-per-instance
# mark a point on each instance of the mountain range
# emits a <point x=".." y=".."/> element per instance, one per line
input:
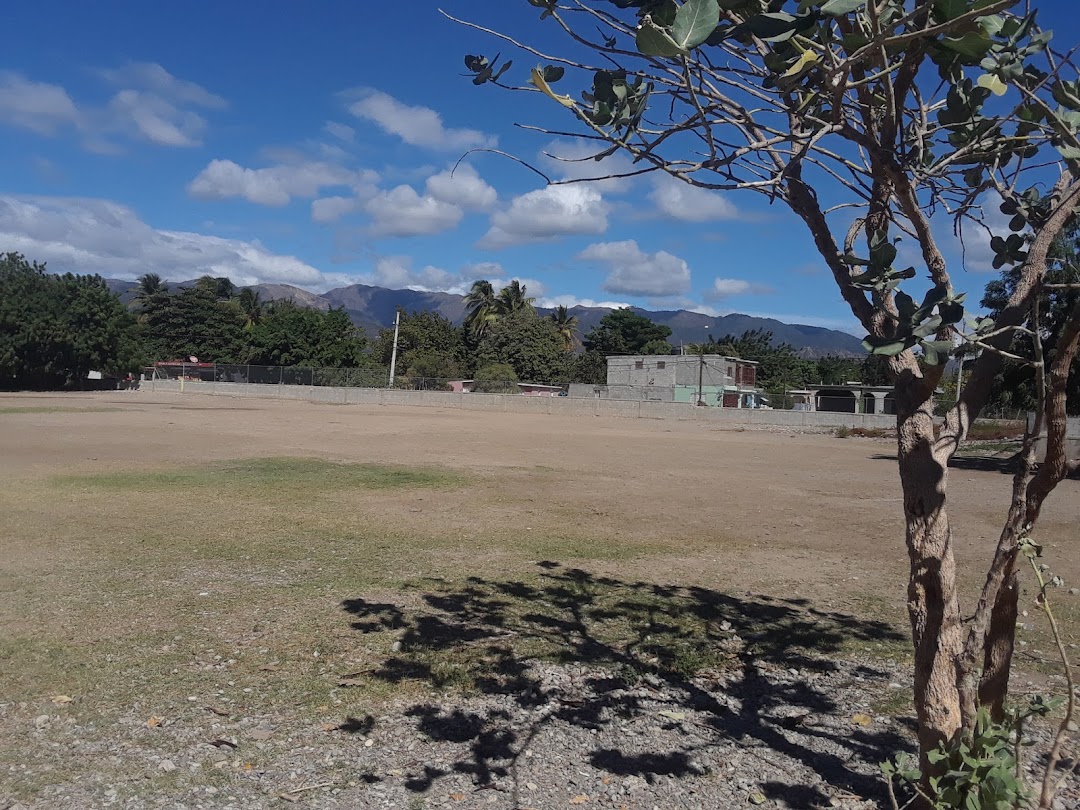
<point x="373" y="308"/>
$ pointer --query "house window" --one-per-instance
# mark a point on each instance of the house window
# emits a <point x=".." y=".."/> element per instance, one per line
<point x="661" y="364"/>
<point x="639" y="364"/>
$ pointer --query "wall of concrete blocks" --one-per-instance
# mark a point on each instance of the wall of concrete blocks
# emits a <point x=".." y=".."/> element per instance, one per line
<point x="510" y="403"/>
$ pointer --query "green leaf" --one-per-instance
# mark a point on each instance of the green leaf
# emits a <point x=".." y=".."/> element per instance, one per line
<point x="888" y="349"/>
<point x="653" y="40"/>
<point x="993" y="84"/>
<point x="694" y="22"/>
<point x="928" y="327"/>
<point x="808" y="58"/>
<point x="552" y="73"/>
<point x="905" y="306"/>
<point x="1069" y="152"/>
<point x="973" y="44"/>
<point x="541" y="84"/>
<point x="838" y="8"/>
<point x="775" y="27"/>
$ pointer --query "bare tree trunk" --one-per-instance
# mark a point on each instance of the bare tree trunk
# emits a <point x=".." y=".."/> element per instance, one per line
<point x="999" y="644"/>
<point x="932" y="600"/>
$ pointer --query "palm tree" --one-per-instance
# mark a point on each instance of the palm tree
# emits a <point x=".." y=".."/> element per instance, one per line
<point x="566" y="325"/>
<point x="252" y="306"/>
<point x="481" y="305"/>
<point x="150" y="285"/>
<point x="513" y="298"/>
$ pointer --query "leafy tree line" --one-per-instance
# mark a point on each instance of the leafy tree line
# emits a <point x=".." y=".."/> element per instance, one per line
<point x="59" y="327"/>
<point x="215" y="323"/>
<point x="54" y="329"/>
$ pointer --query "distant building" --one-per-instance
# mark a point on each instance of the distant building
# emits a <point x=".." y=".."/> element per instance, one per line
<point x="851" y="397"/>
<point x="721" y="382"/>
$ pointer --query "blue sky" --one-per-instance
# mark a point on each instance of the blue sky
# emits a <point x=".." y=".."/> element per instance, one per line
<point x="311" y="145"/>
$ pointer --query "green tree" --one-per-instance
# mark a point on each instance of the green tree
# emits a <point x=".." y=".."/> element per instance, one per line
<point x="150" y="285"/>
<point x="590" y="368"/>
<point x="513" y="298"/>
<point x="290" y="335"/>
<point x="424" y="339"/>
<point x="531" y="345"/>
<point x="623" y="331"/>
<point x="220" y="287"/>
<point x="495" y="378"/>
<point x="251" y="304"/>
<point x="194" y="322"/>
<point x="566" y="325"/>
<point x="480" y="308"/>
<point x="894" y="109"/>
<point x="429" y="370"/>
<point x="54" y="329"/>
<point x="1014" y="385"/>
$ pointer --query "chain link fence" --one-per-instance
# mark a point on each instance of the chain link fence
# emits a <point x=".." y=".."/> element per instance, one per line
<point x="337" y="378"/>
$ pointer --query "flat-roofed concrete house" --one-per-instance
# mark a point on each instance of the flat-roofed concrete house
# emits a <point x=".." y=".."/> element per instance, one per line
<point x="723" y="382"/>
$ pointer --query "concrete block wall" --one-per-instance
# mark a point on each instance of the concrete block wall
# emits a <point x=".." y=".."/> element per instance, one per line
<point x="508" y="403"/>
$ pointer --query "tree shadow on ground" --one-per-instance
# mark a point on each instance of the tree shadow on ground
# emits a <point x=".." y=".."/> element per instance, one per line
<point x="979" y="463"/>
<point x="755" y="671"/>
<point x="1004" y="464"/>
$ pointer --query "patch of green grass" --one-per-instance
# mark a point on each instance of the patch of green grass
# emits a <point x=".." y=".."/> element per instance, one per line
<point x="53" y="409"/>
<point x="266" y="473"/>
<point x="988" y="447"/>
<point x="995" y="429"/>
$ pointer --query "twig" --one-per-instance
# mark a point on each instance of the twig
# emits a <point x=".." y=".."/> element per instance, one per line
<point x="1049" y="788"/>
<point x="514" y="158"/>
<point x="311" y="787"/>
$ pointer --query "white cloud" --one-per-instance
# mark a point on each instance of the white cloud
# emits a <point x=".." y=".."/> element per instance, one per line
<point x="418" y="126"/>
<point x="634" y="272"/>
<point x="331" y="209"/>
<point x="155" y="119"/>
<point x="274" y="185"/>
<point x="99" y="236"/>
<point x="403" y="212"/>
<point x="463" y="187"/>
<point x="343" y="132"/>
<point x="153" y="78"/>
<point x="397" y="272"/>
<point x="39" y="107"/>
<point x="534" y="288"/>
<point x="725" y="287"/>
<point x="154" y="105"/>
<point x="479" y="270"/>
<point x="568" y="301"/>
<point x="547" y="213"/>
<point x="681" y="201"/>
<point x="150" y="104"/>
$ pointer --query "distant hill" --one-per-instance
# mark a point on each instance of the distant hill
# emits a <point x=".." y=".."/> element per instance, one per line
<point x="373" y="308"/>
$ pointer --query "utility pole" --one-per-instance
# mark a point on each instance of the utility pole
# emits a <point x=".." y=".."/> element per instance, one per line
<point x="393" y="354"/>
<point x="700" y="374"/>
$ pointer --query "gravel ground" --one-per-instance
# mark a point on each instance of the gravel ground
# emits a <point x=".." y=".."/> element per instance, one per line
<point x="576" y="736"/>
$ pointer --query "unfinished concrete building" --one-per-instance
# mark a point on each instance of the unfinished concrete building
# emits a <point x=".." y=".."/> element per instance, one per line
<point x="725" y="382"/>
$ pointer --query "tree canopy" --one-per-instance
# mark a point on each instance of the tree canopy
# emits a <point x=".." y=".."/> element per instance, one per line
<point x="54" y="329"/>
<point x="530" y="345"/>
<point x="869" y="121"/>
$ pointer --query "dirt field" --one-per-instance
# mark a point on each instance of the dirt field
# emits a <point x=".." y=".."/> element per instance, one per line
<point x="173" y="560"/>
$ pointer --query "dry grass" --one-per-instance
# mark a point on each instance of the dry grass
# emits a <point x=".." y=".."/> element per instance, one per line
<point x="156" y="553"/>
